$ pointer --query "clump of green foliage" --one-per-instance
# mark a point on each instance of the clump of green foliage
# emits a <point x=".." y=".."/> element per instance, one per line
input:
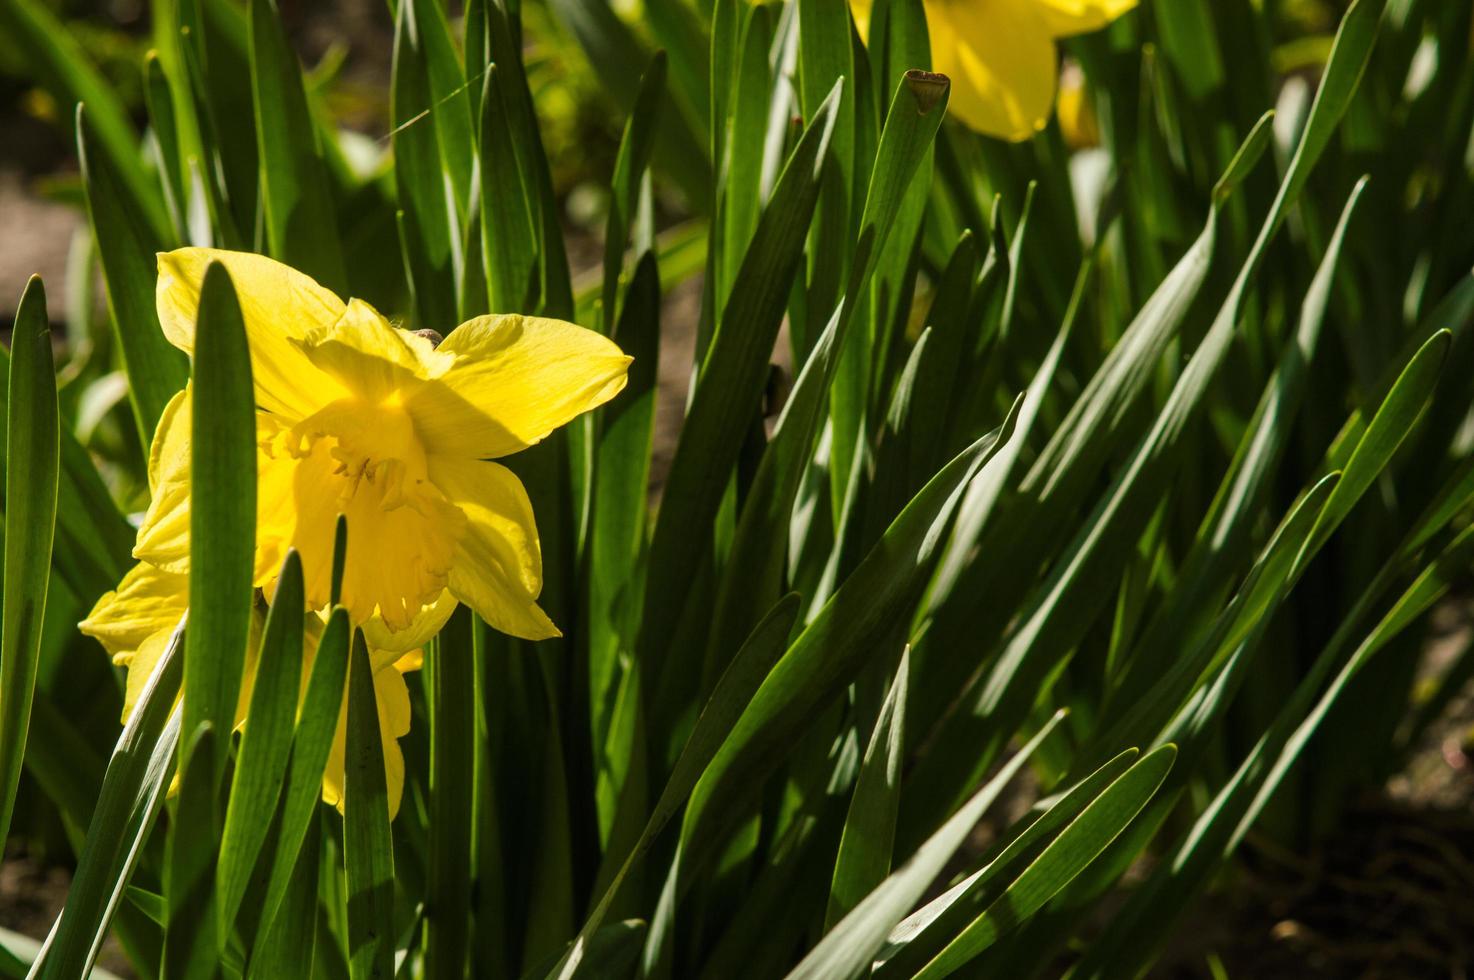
<point x="1134" y="471"/>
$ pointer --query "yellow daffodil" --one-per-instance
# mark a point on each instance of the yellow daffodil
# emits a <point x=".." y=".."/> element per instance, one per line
<point x="1001" y="57"/>
<point x="358" y="417"/>
<point x="135" y="621"/>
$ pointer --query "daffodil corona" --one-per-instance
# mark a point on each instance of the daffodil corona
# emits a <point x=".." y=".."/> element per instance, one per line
<point x="358" y="417"/>
<point x="1000" y="55"/>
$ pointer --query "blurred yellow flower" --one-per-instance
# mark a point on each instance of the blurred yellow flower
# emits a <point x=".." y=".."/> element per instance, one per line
<point x="135" y="621"/>
<point x="358" y="417"/>
<point x="1077" y="122"/>
<point x="1001" y="57"/>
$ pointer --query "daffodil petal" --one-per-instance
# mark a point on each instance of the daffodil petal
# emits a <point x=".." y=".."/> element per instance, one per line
<point x="1001" y="59"/>
<point x="514" y="380"/>
<point x="501" y="528"/>
<point x="392" y="697"/>
<point x="147" y="602"/>
<point x="1066" y="18"/>
<point x="279" y="305"/>
<point x="276" y="509"/>
<point x="369" y="356"/>
<point x="163" y="538"/>
<point x="382" y="640"/>
<point x="141" y="667"/>
<point x="135" y="622"/>
<point x="498" y="569"/>
<point x="503" y="610"/>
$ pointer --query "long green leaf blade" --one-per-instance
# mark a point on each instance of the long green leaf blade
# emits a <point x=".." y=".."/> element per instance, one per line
<point x="300" y="225"/>
<point x="368" y="852"/>
<point x="266" y="742"/>
<point x="222" y="513"/>
<point x="131" y="795"/>
<point x="126" y="243"/>
<point x="312" y="742"/>
<point x="1065" y="857"/>
<point x="851" y="945"/>
<point x="32" y="460"/>
<point x="870" y="827"/>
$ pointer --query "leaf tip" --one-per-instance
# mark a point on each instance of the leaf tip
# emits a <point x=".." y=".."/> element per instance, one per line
<point x="928" y="88"/>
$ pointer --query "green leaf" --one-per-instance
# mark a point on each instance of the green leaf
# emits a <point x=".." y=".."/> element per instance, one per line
<point x="1040" y="638"/>
<point x="743" y="137"/>
<point x="679" y="29"/>
<point x="293" y="939"/>
<point x="730" y="386"/>
<point x="317" y="724"/>
<point x="978" y="506"/>
<point x="1065" y="857"/>
<point x="93" y="542"/>
<point x="610" y="952"/>
<point x="32" y="459"/>
<point x="619" y="497"/>
<point x="732" y="694"/>
<point x="1065" y="472"/>
<point x="451" y="86"/>
<point x="509" y="240"/>
<point x="1399" y="412"/>
<point x="430" y="223"/>
<point x="507" y="99"/>
<point x="1348" y="61"/>
<point x="851" y="945"/>
<point x="1223" y="824"/>
<point x="1265" y="587"/>
<point x="1223" y="535"/>
<point x="1302" y="534"/>
<point x="630" y="169"/>
<point x="191" y="949"/>
<point x="216" y="48"/>
<point x="131" y="795"/>
<point x="950" y="319"/>
<point x="912" y="943"/>
<point x="826" y="59"/>
<point x="265" y="744"/>
<point x="451" y="677"/>
<point x="222" y="514"/>
<point x="1290" y="551"/>
<point x="126" y="242"/>
<point x="152" y="904"/>
<point x="838" y="642"/>
<point x="168" y="139"/>
<point x="301" y="228"/>
<point x="1189" y="43"/>
<point x="754" y="568"/>
<point x="368" y="851"/>
<point x="1142" y="925"/>
<point x="340" y="559"/>
<point x="870" y="827"/>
